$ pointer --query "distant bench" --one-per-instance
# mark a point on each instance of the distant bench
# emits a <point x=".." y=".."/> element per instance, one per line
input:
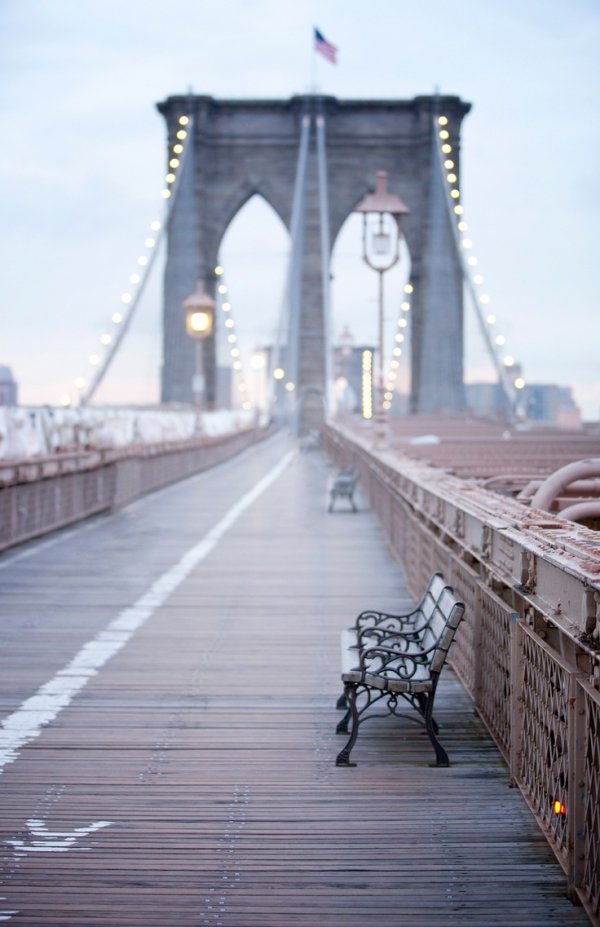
<point x="392" y="657"/>
<point x="343" y="486"/>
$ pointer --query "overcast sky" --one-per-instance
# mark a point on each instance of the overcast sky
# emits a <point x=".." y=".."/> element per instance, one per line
<point x="82" y="166"/>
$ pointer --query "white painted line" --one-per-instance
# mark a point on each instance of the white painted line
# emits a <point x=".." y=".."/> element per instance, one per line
<point x="6" y="915"/>
<point x="26" y="723"/>
<point x="46" y="841"/>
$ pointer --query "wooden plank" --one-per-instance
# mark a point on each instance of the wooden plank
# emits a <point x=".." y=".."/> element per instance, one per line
<point x="208" y="741"/>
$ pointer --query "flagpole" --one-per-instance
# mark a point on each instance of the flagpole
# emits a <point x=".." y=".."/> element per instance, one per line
<point x="313" y="67"/>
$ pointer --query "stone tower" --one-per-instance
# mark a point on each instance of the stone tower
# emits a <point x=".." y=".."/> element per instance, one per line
<point x="246" y="147"/>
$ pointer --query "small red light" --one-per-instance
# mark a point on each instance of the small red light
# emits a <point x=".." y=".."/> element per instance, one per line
<point x="559" y="808"/>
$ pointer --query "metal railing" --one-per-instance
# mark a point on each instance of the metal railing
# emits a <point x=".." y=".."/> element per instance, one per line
<point x="527" y="648"/>
<point x="51" y="492"/>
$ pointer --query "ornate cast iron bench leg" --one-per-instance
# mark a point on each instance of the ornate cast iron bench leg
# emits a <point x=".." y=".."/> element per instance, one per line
<point x="342" y="726"/>
<point x="441" y="757"/>
<point x="343" y="757"/>
<point x="422" y="702"/>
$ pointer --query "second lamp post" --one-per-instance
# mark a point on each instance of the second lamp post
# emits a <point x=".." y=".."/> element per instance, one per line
<point x="199" y="322"/>
<point x="381" y="212"/>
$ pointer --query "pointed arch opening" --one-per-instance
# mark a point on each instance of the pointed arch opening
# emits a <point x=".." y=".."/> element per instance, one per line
<point x="355" y="312"/>
<point x="254" y="253"/>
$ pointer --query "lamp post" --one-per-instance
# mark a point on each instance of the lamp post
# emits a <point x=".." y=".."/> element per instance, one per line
<point x="381" y="212"/>
<point x="199" y="322"/>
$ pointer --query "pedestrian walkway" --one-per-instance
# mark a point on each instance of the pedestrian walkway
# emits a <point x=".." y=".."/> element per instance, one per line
<point x="185" y="656"/>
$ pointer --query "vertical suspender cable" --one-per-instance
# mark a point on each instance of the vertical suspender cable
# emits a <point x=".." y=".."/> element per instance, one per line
<point x="110" y="356"/>
<point x="289" y="322"/>
<point x="297" y="254"/>
<point x="325" y="256"/>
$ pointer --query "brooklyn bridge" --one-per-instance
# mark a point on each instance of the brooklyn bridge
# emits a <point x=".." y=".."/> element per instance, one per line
<point x="176" y="580"/>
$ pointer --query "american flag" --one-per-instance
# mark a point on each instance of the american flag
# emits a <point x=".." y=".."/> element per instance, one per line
<point x="325" y="47"/>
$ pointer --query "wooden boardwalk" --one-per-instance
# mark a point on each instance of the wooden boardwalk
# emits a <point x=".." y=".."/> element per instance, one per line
<point x="189" y="778"/>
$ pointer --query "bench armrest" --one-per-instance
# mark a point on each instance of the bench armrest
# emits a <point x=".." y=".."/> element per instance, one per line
<point x="402" y="640"/>
<point x="372" y="618"/>
<point x="387" y="661"/>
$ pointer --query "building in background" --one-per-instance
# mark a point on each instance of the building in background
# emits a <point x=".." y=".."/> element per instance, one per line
<point x="486" y="400"/>
<point x="8" y="387"/>
<point x="540" y="403"/>
<point x="550" y="404"/>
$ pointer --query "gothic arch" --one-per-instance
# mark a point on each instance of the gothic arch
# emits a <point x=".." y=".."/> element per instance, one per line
<point x="239" y="196"/>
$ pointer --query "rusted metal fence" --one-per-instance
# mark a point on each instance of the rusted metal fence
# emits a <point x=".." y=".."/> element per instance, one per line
<point x="528" y="650"/>
<point x="43" y="494"/>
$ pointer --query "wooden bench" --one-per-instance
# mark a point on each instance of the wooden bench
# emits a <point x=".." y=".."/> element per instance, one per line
<point x="373" y="623"/>
<point x="398" y="658"/>
<point x="343" y="485"/>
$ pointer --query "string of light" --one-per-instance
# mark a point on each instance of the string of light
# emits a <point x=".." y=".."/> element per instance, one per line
<point x="237" y="364"/>
<point x="279" y="373"/>
<point x="495" y="341"/>
<point x="400" y="335"/>
<point x="101" y="356"/>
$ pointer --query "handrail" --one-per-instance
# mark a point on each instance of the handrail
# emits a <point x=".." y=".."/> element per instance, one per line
<point x="528" y="650"/>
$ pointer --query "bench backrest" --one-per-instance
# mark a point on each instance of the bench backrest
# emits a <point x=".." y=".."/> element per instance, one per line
<point x="436" y="584"/>
<point x="429" y="605"/>
<point x="439" y="634"/>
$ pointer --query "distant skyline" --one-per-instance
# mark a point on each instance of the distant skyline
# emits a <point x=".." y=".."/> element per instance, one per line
<point x="83" y="162"/>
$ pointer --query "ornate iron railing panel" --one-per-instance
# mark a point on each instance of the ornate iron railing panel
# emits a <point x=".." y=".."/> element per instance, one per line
<point x="494" y="695"/>
<point x="587" y="849"/>
<point x="464" y="658"/>
<point x="543" y="771"/>
<point x="528" y="649"/>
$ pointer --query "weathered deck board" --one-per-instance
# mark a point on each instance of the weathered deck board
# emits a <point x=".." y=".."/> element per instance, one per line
<point x="208" y="741"/>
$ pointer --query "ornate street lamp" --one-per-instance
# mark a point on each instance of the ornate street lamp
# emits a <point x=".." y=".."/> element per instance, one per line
<point x="199" y="322"/>
<point x="382" y="212"/>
